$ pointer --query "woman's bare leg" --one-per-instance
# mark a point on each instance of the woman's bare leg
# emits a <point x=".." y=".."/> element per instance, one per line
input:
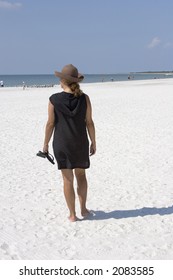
<point x="82" y="190"/>
<point x="69" y="193"/>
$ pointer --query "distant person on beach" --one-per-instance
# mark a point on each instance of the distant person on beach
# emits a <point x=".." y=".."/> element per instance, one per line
<point x="130" y="77"/>
<point x="70" y="118"/>
<point x="24" y="86"/>
<point x="1" y="83"/>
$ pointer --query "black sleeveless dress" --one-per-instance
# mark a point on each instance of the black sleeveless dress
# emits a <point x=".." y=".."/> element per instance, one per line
<point x="70" y="140"/>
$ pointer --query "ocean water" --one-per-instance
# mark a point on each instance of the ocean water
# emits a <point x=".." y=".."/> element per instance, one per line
<point x="50" y="80"/>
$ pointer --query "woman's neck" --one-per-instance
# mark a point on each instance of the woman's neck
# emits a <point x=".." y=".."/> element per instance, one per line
<point x="66" y="88"/>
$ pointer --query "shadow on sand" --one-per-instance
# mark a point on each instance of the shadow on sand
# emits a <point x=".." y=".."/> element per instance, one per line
<point x="123" y="214"/>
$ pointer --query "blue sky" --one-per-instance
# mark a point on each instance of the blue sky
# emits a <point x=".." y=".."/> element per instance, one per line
<point x="98" y="36"/>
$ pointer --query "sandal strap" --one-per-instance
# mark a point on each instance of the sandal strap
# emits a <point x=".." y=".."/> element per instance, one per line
<point x="50" y="158"/>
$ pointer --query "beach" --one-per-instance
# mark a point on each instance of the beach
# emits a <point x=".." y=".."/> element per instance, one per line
<point x="130" y="180"/>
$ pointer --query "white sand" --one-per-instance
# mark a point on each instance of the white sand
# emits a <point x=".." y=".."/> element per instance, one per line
<point x="130" y="179"/>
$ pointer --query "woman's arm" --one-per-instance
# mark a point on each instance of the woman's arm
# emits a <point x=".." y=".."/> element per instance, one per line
<point x="49" y="127"/>
<point x="90" y="126"/>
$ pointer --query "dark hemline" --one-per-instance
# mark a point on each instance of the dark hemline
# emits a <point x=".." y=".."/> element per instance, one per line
<point x="60" y="168"/>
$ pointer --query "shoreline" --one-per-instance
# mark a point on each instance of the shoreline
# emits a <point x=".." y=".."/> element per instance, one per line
<point x="51" y="80"/>
<point x="128" y="82"/>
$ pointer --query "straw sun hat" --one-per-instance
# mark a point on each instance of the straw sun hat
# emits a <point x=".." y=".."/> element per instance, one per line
<point x="70" y="73"/>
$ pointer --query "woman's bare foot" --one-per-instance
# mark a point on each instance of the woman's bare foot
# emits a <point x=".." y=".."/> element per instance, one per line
<point x="85" y="213"/>
<point x="72" y="218"/>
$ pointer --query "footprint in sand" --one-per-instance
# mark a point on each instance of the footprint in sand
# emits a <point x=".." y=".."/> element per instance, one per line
<point x="10" y="251"/>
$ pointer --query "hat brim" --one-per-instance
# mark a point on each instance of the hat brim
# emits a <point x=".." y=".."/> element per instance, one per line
<point x="69" y="78"/>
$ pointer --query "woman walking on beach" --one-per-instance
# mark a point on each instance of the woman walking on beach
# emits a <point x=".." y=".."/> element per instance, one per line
<point x="70" y="117"/>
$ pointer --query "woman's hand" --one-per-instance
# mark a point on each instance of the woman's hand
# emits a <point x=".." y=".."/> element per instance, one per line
<point x="45" y="148"/>
<point x="92" y="149"/>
